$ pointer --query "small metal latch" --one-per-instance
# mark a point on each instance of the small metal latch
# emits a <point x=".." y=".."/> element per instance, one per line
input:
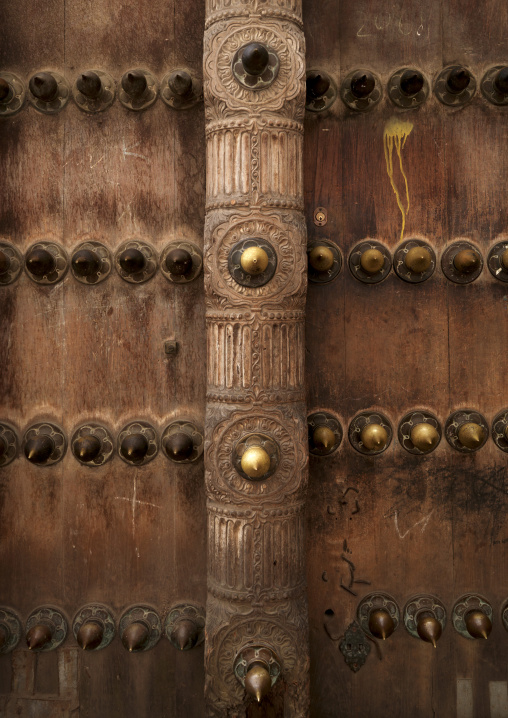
<point x="171" y="347"/>
<point x="320" y="216"/>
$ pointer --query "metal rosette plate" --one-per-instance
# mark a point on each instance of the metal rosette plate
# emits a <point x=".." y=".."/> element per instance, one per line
<point x="189" y="428"/>
<point x="465" y="604"/>
<point x="100" y="103"/>
<point x="60" y="100"/>
<point x="191" y="612"/>
<point x="147" y="616"/>
<point x="8" y="444"/>
<point x="488" y="87"/>
<point x="267" y="443"/>
<point x="55" y="433"/>
<point x="399" y="98"/>
<point x="423" y="604"/>
<point x="147" y="430"/>
<point x="450" y="98"/>
<point x="103" y="436"/>
<point x="54" y="619"/>
<point x="179" y="102"/>
<point x="235" y="267"/>
<point x="408" y="422"/>
<point x="323" y="418"/>
<point x="362" y="420"/>
<point x="360" y="104"/>
<point x="403" y="271"/>
<point x="15" y="263"/>
<point x="197" y="262"/>
<point x="449" y="268"/>
<point x="500" y="430"/>
<point x="253" y="654"/>
<point x="355" y="262"/>
<point x="16" y="98"/>
<point x="355" y="647"/>
<point x="146" y="100"/>
<point x="148" y="270"/>
<point x="456" y="420"/>
<point x="255" y="82"/>
<point x="10" y="625"/>
<point x="494" y="262"/>
<point x="60" y="267"/>
<point x="104" y="268"/>
<point x="504" y="615"/>
<point x="100" y="614"/>
<point x="323" y="102"/>
<point x="373" y="602"/>
<point x="317" y="277"/>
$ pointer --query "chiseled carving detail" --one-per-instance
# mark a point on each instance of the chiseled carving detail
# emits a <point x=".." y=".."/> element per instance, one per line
<point x="227" y="9"/>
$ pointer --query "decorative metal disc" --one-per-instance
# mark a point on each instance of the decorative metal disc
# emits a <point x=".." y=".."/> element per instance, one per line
<point x="489" y="89"/>
<point x="402" y="100"/>
<point x="449" y="269"/>
<point x="423" y="604"/>
<point x="140" y="427"/>
<point x="106" y="441"/>
<point x="358" y="423"/>
<point x="360" y="104"/>
<point x="449" y="98"/>
<point x="100" y="614"/>
<point x="146" y="100"/>
<point x="314" y="275"/>
<point x="60" y="100"/>
<point x="150" y="262"/>
<point x="9" y="439"/>
<point x="177" y="102"/>
<point x="255" y="82"/>
<point x="320" y="104"/>
<point x="499" y="430"/>
<point x="406" y="425"/>
<point x="238" y="273"/>
<point x="14" y="102"/>
<point x="504" y="615"/>
<point x="465" y="604"/>
<point x="373" y="602"/>
<point x="54" y="619"/>
<point x="11" y="623"/>
<point x="197" y="262"/>
<point x="494" y="263"/>
<point x="323" y="418"/>
<point x="189" y="611"/>
<point x="15" y="261"/>
<point x="56" y="433"/>
<point x="185" y="427"/>
<point x="102" y="102"/>
<point x="354" y="647"/>
<point x="146" y="615"/>
<point x="253" y="654"/>
<point x="103" y="255"/>
<point x="456" y="420"/>
<point x="403" y="271"/>
<point x="356" y="268"/>
<point x="267" y="443"/>
<point x="61" y="263"/>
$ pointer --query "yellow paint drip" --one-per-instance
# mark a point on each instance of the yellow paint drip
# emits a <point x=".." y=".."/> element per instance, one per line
<point x="395" y="135"/>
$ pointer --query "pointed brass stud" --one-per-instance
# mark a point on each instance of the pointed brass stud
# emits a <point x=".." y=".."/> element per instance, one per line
<point x="87" y="448"/>
<point x="90" y="635"/>
<point x="134" y="448"/>
<point x="374" y="437"/>
<point x="38" y="636"/>
<point x="372" y="261"/>
<point x="323" y="438"/>
<point x="458" y="80"/>
<point x="478" y="624"/>
<point x="257" y="681"/>
<point x="179" y="261"/>
<point x="85" y="263"/>
<point x="418" y="259"/>
<point x="254" y="260"/>
<point x="135" y="84"/>
<point x="135" y="636"/>
<point x="362" y="84"/>
<point x="321" y="258"/>
<point x="467" y="261"/>
<point x="429" y="628"/>
<point x="89" y="84"/>
<point x="411" y="82"/>
<point x="40" y="262"/>
<point x="39" y="449"/>
<point x="381" y="624"/>
<point x="180" y="83"/>
<point x="255" y="462"/>
<point x="132" y="260"/>
<point x="185" y="634"/>
<point x="471" y="435"/>
<point x="44" y="86"/>
<point x="179" y="446"/>
<point x="318" y="84"/>
<point x="255" y="58"/>
<point x="425" y="436"/>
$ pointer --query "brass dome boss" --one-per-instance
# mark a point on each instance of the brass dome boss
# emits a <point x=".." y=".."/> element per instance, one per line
<point x="44" y="444"/>
<point x="94" y="91"/>
<point x="138" y="89"/>
<point x="257" y="668"/>
<point x="91" y="262"/>
<point x="180" y="89"/>
<point x="94" y="627"/>
<point x="138" y="443"/>
<point x="419" y="432"/>
<point x="321" y="91"/>
<point x="370" y="262"/>
<point x="455" y="86"/>
<point x="325" y="433"/>
<point x="182" y="442"/>
<point x="425" y="618"/>
<point x="46" y="629"/>
<point x="92" y="445"/>
<point x="461" y="262"/>
<point x="46" y="262"/>
<point x="361" y="90"/>
<point x="252" y="262"/>
<point x="466" y="430"/>
<point x="48" y="91"/>
<point x="472" y="616"/>
<point x="140" y="628"/>
<point x="408" y="88"/>
<point x="370" y="433"/>
<point x="255" y="66"/>
<point x="497" y="261"/>
<point x="185" y="626"/>
<point x="414" y="261"/>
<point x="136" y="261"/>
<point x="256" y="457"/>
<point x="378" y="615"/>
<point x="324" y="261"/>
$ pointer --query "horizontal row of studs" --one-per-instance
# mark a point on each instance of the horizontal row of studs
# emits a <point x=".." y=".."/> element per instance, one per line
<point x="45" y="443"/>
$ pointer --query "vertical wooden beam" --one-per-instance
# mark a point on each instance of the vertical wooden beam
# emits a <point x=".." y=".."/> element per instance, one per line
<point x="256" y="567"/>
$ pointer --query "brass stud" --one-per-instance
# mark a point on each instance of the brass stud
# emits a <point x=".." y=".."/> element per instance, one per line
<point x="418" y="259"/>
<point x="425" y="436"/>
<point x="318" y="84"/>
<point x="135" y="636"/>
<point x="180" y="83"/>
<point x="429" y="628"/>
<point x="255" y="462"/>
<point x="178" y="261"/>
<point x="459" y="79"/>
<point x="132" y="260"/>
<point x="135" y="84"/>
<point x="185" y="634"/>
<point x="39" y="448"/>
<point x="323" y="438"/>
<point x="134" y="448"/>
<point x="40" y="262"/>
<point x="257" y="681"/>
<point x="85" y="263"/>
<point x="321" y="258"/>
<point x="255" y="58"/>
<point x="467" y="261"/>
<point x="179" y="446"/>
<point x="381" y="624"/>
<point x="44" y="86"/>
<point x="411" y="82"/>
<point x="372" y="261"/>
<point x="38" y="636"/>
<point x="374" y="437"/>
<point x="89" y="84"/>
<point x="90" y="635"/>
<point x="362" y="84"/>
<point x="478" y="624"/>
<point x="254" y="260"/>
<point x="87" y="448"/>
<point x="471" y="435"/>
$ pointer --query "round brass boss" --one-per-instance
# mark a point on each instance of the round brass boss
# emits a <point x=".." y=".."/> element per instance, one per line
<point x="372" y="261"/>
<point x="429" y="628"/>
<point x="321" y="258"/>
<point x="418" y="259"/>
<point x="466" y="261"/>
<point x="471" y="435"/>
<point x="381" y="624"/>
<point x="255" y="462"/>
<point x="323" y="438"/>
<point x="374" y="437"/>
<point x="254" y="260"/>
<point x="478" y="624"/>
<point x="424" y="436"/>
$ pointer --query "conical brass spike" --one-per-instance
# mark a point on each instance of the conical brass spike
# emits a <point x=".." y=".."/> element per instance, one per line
<point x="478" y="624"/>
<point x="185" y="634"/>
<point x="381" y="624"/>
<point x="254" y="260"/>
<point x="135" y="636"/>
<point x="424" y="436"/>
<point x="257" y="681"/>
<point x="467" y="261"/>
<point x="429" y="629"/>
<point x="372" y="261"/>
<point x="38" y="636"/>
<point x="90" y="635"/>
<point x="471" y="435"/>
<point x="321" y="258"/>
<point x="418" y="259"/>
<point x="374" y="437"/>
<point x="255" y="462"/>
<point x="323" y="438"/>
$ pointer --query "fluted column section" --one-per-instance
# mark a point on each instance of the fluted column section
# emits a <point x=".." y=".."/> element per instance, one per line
<point x="256" y="566"/>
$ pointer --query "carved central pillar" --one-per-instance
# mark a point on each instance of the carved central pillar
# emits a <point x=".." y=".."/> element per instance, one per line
<point x="256" y="429"/>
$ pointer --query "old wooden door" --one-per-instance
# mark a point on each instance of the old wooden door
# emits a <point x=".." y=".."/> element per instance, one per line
<point x="113" y="410"/>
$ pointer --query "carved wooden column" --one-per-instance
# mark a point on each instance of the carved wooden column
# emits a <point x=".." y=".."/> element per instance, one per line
<point x="254" y="102"/>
